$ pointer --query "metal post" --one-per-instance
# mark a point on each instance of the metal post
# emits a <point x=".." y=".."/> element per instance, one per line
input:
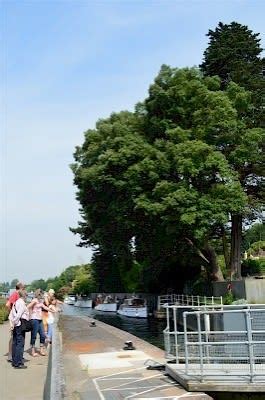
<point x="200" y="344"/>
<point x="250" y="344"/>
<point x="176" y="333"/>
<point x="158" y="303"/>
<point x="168" y="350"/>
<point x="207" y="329"/>
<point x="186" y="343"/>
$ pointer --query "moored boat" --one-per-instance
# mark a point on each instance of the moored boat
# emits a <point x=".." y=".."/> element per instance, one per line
<point x="70" y="300"/>
<point x="83" y="302"/>
<point x="133" y="307"/>
<point x="106" y="304"/>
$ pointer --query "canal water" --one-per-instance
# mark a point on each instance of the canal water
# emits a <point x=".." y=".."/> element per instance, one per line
<point x="149" y="329"/>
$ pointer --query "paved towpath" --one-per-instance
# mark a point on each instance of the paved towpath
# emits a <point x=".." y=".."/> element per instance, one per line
<point x="25" y="384"/>
<point x="97" y="368"/>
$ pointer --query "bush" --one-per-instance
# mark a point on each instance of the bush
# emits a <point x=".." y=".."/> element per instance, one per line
<point x="3" y="313"/>
<point x="228" y="298"/>
<point x="240" y="301"/>
<point x="253" y="267"/>
<point x="256" y="247"/>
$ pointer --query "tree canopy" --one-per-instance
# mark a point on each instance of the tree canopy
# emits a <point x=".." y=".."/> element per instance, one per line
<point x="234" y="54"/>
<point x="163" y="175"/>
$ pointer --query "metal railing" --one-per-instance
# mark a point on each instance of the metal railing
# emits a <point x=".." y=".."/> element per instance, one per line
<point x="187" y="300"/>
<point x="224" y="340"/>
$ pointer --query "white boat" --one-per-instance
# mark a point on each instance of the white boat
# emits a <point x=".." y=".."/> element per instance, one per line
<point x="70" y="300"/>
<point x="134" y="307"/>
<point x="107" y="304"/>
<point x="83" y="303"/>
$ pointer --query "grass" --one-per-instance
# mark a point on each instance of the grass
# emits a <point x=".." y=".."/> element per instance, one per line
<point x="3" y="310"/>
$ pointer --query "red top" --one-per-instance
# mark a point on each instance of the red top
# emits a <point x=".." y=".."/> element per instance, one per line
<point x="13" y="298"/>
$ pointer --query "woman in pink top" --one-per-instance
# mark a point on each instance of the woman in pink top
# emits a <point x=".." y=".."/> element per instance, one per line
<point x="35" y="308"/>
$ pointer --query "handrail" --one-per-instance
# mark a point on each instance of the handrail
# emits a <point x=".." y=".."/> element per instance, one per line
<point x="211" y="348"/>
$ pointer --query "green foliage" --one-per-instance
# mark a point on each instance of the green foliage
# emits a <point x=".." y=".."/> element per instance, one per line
<point x="133" y="279"/>
<point x="228" y="298"/>
<point x="13" y="283"/>
<point x="83" y="282"/>
<point x="254" y="234"/>
<point x="76" y="278"/>
<point x="221" y="263"/>
<point x="253" y="267"/>
<point x="175" y="170"/>
<point x="256" y="247"/>
<point x="198" y="286"/>
<point x="158" y="175"/>
<point x="38" y="284"/>
<point x="233" y="54"/>
<point x="4" y="286"/>
<point x="3" y="313"/>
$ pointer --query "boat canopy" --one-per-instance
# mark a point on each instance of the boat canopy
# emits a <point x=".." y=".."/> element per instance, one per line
<point x="134" y="302"/>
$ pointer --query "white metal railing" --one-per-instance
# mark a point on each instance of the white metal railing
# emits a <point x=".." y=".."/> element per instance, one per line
<point x="187" y="300"/>
<point x="224" y="340"/>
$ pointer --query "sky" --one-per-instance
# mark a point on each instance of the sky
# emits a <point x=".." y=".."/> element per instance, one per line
<point x="64" y="65"/>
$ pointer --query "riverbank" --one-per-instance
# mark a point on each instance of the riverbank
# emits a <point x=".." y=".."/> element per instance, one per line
<point x="97" y="367"/>
<point x="24" y="384"/>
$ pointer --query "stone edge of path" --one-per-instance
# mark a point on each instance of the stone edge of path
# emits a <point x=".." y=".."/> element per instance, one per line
<point x="55" y="387"/>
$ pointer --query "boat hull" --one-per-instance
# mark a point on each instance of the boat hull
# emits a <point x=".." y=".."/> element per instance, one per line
<point x="83" y="303"/>
<point x="70" y="301"/>
<point x="106" y="307"/>
<point x="134" y="312"/>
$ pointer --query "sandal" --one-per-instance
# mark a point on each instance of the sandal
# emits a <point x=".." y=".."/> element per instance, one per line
<point x="34" y="354"/>
<point x="42" y="352"/>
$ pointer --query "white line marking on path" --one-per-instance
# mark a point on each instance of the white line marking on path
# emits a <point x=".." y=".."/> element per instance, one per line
<point x="146" y="391"/>
<point x="137" y="380"/>
<point x="106" y="377"/>
<point x="114" y="377"/>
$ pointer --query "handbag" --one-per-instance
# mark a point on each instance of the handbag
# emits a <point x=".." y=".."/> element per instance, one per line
<point x="26" y="326"/>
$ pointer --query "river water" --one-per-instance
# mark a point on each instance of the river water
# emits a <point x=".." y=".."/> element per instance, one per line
<point x="149" y="329"/>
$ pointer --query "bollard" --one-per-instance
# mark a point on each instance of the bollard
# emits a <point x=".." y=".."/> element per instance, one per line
<point x="129" y="345"/>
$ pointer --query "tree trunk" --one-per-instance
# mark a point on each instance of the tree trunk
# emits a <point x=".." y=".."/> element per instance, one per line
<point x="236" y="238"/>
<point x="216" y="272"/>
<point x="225" y="249"/>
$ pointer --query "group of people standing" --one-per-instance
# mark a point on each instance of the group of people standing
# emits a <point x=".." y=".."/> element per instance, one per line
<point x="40" y="312"/>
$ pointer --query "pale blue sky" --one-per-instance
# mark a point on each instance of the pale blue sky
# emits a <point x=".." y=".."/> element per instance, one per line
<point x="64" y="64"/>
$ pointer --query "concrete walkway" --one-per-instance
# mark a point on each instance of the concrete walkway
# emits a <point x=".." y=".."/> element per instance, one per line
<point x="97" y="368"/>
<point x="27" y="384"/>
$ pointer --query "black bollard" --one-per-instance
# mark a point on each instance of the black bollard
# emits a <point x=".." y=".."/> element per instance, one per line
<point x="129" y="345"/>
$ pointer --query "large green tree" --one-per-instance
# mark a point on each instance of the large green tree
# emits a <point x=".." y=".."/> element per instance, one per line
<point x="234" y="54"/>
<point x="106" y="199"/>
<point x="184" y="104"/>
<point x="152" y="178"/>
